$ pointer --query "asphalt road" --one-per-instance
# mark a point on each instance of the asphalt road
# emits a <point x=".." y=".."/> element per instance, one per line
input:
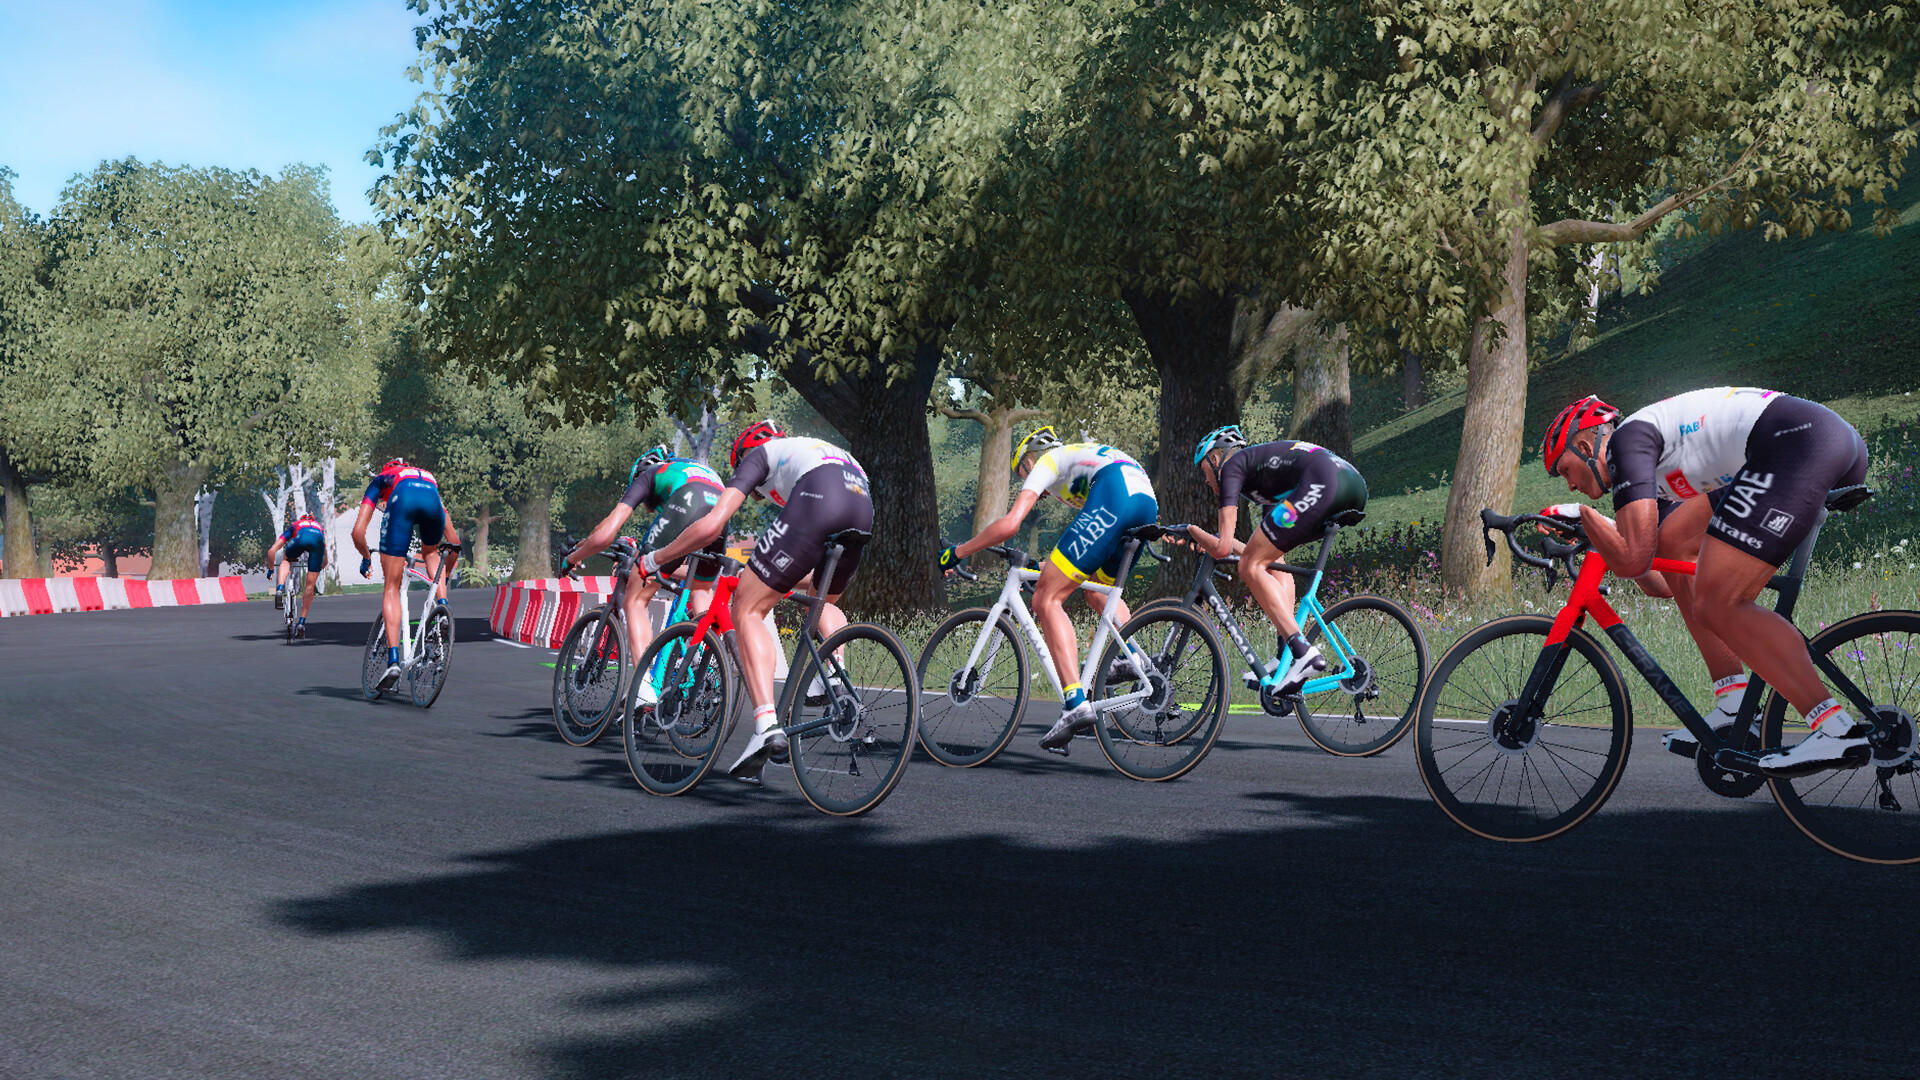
<point x="217" y="861"/>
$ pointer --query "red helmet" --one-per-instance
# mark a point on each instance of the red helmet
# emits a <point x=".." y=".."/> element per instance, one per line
<point x="396" y="463"/>
<point x="758" y="433"/>
<point x="1588" y="412"/>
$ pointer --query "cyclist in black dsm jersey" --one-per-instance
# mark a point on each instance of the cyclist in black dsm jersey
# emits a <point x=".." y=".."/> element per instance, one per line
<point x="1298" y="486"/>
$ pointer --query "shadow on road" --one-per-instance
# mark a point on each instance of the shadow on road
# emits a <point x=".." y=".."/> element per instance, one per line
<point x="354" y="634"/>
<point x="1356" y="936"/>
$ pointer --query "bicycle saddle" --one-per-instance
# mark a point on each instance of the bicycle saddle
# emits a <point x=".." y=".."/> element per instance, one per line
<point x="1846" y="498"/>
<point x="850" y="537"/>
<point x="1347" y="519"/>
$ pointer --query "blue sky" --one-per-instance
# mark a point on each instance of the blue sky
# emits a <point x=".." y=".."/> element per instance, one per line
<point x="257" y="85"/>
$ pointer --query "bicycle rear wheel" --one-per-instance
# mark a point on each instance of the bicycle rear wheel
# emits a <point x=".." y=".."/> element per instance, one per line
<point x="969" y="715"/>
<point x="296" y="588"/>
<point x="373" y="664"/>
<point x="1374" y="707"/>
<point x="1170" y="731"/>
<point x="1871" y="813"/>
<point x="1508" y="777"/>
<point x="851" y="745"/>
<point x="671" y="745"/>
<point x="429" y="671"/>
<point x="588" y="675"/>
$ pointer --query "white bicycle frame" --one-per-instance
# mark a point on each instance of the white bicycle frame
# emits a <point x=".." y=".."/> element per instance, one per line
<point x="414" y="643"/>
<point x="1011" y="601"/>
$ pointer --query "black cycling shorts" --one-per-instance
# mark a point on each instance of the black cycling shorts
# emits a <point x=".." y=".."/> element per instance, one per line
<point x="1797" y="452"/>
<point x="688" y="504"/>
<point x="825" y="501"/>
<point x="1324" y="489"/>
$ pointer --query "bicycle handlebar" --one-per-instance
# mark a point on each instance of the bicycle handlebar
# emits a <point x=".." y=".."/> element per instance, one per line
<point x="1491" y="522"/>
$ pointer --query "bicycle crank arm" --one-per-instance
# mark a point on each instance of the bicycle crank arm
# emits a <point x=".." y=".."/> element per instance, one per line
<point x="1113" y="704"/>
<point x="1737" y="761"/>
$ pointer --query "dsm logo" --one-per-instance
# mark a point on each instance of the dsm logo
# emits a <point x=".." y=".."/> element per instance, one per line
<point x="1777" y="522"/>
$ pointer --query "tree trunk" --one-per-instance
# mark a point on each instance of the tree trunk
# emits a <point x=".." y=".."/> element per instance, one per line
<point x="1488" y="467"/>
<point x="111" y="557"/>
<point x="176" y="535"/>
<point x="329" y="472"/>
<point x="885" y="426"/>
<point x="203" y="520"/>
<point x="277" y="501"/>
<point x="1413" y="379"/>
<point x="535" y="557"/>
<point x="994" y="480"/>
<point x="18" y="555"/>
<point x="482" y="527"/>
<point x="1190" y="340"/>
<point x="1322" y="392"/>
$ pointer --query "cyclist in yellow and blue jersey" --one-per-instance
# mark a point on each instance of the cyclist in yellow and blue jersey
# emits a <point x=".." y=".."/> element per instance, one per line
<point x="1112" y="494"/>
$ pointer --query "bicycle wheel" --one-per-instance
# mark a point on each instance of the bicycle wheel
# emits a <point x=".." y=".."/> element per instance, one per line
<point x="1871" y="813"/>
<point x="1374" y="707"/>
<point x="588" y="675"/>
<point x="296" y="586"/>
<point x="429" y="671"/>
<point x="1170" y="731"/>
<point x="672" y="744"/>
<point x="851" y="747"/>
<point x="373" y="664"/>
<point x="1514" y="778"/>
<point x="968" y="715"/>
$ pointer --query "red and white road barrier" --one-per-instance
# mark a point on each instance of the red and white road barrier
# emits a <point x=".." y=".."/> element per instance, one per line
<point x="536" y="613"/>
<point x="45" y="596"/>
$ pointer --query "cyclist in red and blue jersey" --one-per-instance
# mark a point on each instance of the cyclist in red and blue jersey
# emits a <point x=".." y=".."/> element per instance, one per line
<point x="681" y="491"/>
<point x="302" y="536"/>
<point x="411" y="500"/>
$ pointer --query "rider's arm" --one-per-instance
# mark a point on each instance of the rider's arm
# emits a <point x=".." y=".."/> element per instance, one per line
<point x="702" y="532"/>
<point x="1628" y="541"/>
<point x="273" y="553"/>
<point x="1003" y="528"/>
<point x="360" y="530"/>
<point x="1224" y="544"/>
<point x="602" y="534"/>
<point x="450" y="535"/>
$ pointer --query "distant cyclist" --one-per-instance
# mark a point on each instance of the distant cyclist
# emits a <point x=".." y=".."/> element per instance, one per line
<point x="1298" y="486"/>
<point x="820" y="490"/>
<point x="303" y="536"/>
<point x="681" y="492"/>
<point x="1734" y="478"/>
<point x="411" y="500"/>
<point x="1112" y="494"/>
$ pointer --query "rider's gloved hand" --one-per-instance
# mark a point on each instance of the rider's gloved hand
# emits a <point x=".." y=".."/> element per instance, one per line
<point x="366" y="566"/>
<point x="565" y="570"/>
<point x="1565" y="511"/>
<point x="949" y="559"/>
<point x="649" y="566"/>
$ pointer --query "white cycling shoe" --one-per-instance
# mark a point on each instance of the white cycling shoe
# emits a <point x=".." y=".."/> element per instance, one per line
<point x="394" y="671"/>
<point x="1297" y="673"/>
<point x="645" y="693"/>
<point x="1075" y="721"/>
<point x="1838" y="743"/>
<point x="1682" y="741"/>
<point x="764" y="744"/>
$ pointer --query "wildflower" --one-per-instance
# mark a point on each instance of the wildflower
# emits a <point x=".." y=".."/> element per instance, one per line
<point x="1856" y="566"/>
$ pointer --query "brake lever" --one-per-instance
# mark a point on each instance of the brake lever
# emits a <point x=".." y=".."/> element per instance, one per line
<point x="1486" y="534"/>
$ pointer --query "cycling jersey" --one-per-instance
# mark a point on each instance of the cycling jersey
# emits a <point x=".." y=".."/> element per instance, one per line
<point x="304" y="523"/>
<point x="825" y="501"/>
<point x="775" y="467"/>
<point x="1302" y="485"/>
<point x="1684" y="446"/>
<point x="305" y="537"/>
<point x="411" y="499"/>
<point x="653" y="487"/>
<point x="1067" y="472"/>
<point x="381" y="489"/>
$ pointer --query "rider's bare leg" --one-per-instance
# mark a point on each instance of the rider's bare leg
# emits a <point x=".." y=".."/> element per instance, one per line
<point x="306" y="599"/>
<point x="759" y="652"/>
<point x="1273" y="590"/>
<point x="393" y="569"/>
<point x="1680" y="538"/>
<point x="639" y="625"/>
<point x="1049" y="610"/>
<point x="1724" y="590"/>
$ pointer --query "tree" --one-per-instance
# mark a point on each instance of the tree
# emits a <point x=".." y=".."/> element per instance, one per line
<point x="28" y="429"/>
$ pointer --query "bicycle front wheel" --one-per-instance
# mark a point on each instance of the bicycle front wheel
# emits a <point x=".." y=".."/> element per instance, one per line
<point x="1373" y="706"/>
<point x="1505" y="776"/>
<point x="672" y="743"/>
<point x="429" y="671"/>
<point x="1169" y="731"/>
<point x="851" y="729"/>
<point x="1871" y="813"/>
<point x="373" y="665"/>
<point x="969" y="714"/>
<point x="587" y="677"/>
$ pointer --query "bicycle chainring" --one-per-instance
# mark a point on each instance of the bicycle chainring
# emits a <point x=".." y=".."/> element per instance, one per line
<point x="1729" y="783"/>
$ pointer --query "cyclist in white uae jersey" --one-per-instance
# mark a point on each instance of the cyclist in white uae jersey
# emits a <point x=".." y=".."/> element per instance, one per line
<point x="821" y="490"/>
<point x="1733" y="478"/>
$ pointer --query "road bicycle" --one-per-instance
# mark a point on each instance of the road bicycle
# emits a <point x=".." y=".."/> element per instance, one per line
<point x="296" y="593"/>
<point x="1376" y="655"/>
<point x="1525" y="726"/>
<point x="590" y="672"/>
<point x="975" y="669"/>
<point x="426" y="644"/>
<point x="850" y="706"/>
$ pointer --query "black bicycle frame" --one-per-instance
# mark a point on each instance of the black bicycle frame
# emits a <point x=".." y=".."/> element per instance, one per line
<point x="1203" y="588"/>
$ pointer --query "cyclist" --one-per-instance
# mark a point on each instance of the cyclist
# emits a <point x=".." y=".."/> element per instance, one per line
<point x="1298" y="486"/>
<point x="411" y="500"/>
<point x="820" y="490"/>
<point x="1112" y="494"/>
<point x="303" y="536"/>
<point x="1733" y="477"/>
<point x="681" y="491"/>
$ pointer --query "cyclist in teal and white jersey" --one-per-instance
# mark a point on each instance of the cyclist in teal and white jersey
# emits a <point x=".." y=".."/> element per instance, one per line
<point x="304" y="536"/>
<point x="681" y="491"/>
<point x="1113" y="494"/>
<point x="820" y="490"/>
<point x="1298" y="486"/>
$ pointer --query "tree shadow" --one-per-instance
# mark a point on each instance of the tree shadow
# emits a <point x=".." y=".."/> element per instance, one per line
<point x="1342" y="936"/>
<point x="354" y="634"/>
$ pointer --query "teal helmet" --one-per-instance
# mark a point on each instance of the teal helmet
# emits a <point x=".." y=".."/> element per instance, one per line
<point x="1228" y="437"/>
<point x="658" y="455"/>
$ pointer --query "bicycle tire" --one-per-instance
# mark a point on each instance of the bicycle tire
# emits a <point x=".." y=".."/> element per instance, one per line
<point x="587" y="682"/>
<point x="672" y="744"/>
<point x="1391" y="658"/>
<point x="1483" y="774"/>
<point x="1166" y="735"/>
<point x="373" y="664"/>
<point x="850" y="751"/>
<point x="296" y="587"/>
<point x="1870" y="814"/>
<point x="429" y="671"/>
<point x="965" y="723"/>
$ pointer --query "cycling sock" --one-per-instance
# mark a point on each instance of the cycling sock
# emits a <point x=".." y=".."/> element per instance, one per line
<point x="1732" y="684"/>
<point x="280" y="588"/>
<point x="1073" y="696"/>
<point x="1297" y="644"/>
<point x="393" y="654"/>
<point x="302" y="622"/>
<point x="763" y="718"/>
<point x="1825" y="712"/>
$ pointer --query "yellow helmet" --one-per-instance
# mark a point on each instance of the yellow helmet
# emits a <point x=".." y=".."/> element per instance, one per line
<point x="1039" y="442"/>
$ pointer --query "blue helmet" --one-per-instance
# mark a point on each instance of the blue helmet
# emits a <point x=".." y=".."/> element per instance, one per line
<point x="1228" y="437"/>
<point x="658" y="455"/>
